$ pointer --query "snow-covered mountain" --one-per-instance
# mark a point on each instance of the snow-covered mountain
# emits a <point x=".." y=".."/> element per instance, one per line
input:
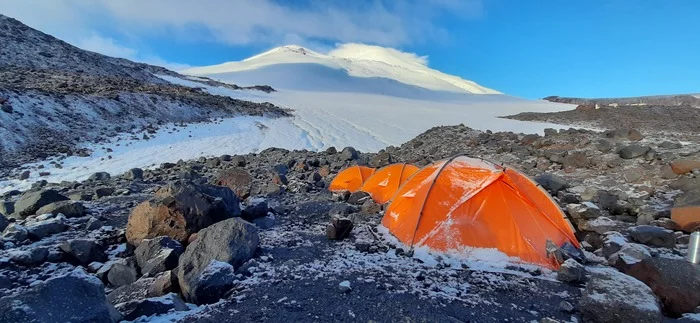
<point x="373" y="64"/>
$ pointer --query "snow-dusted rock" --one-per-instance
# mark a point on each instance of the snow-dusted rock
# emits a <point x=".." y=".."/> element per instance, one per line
<point x="600" y="225"/>
<point x="571" y="271"/>
<point x="83" y="251"/>
<point x="201" y="273"/>
<point x="29" y="203"/>
<point x="41" y="229"/>
<point x="653" y="236"/>
<point x="611" y="296"/>
<point x="74" y="297"/>
<point x="151" y="306"/>
<point x="122" y="272"/>
<point x="158" y="255"/>
<point x="675" y="281"/>
<point x="71" y="209"/>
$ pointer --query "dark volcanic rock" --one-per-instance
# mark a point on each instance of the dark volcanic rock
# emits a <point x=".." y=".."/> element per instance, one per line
<point x="75" y="297"/>
<point x="123" y="272"/>
<point x="180" y="209"/>
<point x="633" y="151"/>
<point x="151" y="306"/>
<point x="31" y="202"/>
<point x="83" y="251"/>
<point x="349" y="153"/>
<point x="551" y="182"/>
<point x="611" y="296"/>
<point x="653" y="236"/>
<point x="676" y="282"/>
<point x="206" y="266"/>
<point x="158" y="255"/>
<point x="71" y="209"/>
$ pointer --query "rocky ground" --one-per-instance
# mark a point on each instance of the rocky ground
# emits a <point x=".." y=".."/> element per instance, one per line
<point x="260" y="238"/>
<point x="54" y="96"/>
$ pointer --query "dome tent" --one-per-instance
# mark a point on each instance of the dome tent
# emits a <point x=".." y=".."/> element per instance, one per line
<point x="384" y="183"/>
<point x="351" y="179"/>
<point x="463" y="203"/>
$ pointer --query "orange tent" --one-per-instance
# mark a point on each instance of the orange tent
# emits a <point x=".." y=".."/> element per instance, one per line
<point x="464" y="203"/>
<point x="384" y="183"/>
<point x="351" y="178"/>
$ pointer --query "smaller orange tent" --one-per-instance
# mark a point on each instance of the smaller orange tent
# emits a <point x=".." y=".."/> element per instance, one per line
<point x="384" y="183"/>
<point x="351" y="178"/>
<point x="462" y="203"/>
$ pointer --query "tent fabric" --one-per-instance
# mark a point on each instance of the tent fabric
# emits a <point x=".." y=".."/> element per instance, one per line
<point x="385" y="182"/>
<point x="351" y="179"/>
<point x="463" y="203"/>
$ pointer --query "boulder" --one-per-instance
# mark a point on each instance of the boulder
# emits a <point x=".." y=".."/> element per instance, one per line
<point x="83" y="251"/>
<point x="32" y="201"/>
<point x="676" y="282"/>
<point x="237" y="180"/>
<point x="339" y="228"/>
<point x="134" y="309"/>
<point x="576" y="159"/>
<point x="158" y="255"/>
<point x="44" y="228"/>
<point x="257" y="208"/>
<point x="653" y="236"/>
<point x="206" y="267"/>
<point x="180" y="209"/>
<point x="4" y="222"/>
<point x="667" y="172"/>
<point x="103" y="191"/>
<point x="15" y="232"/>
<point x="94" y="224"/>
<point x="686" y="165"/>
<point x="134" y="174"/>
<point x="31" y="257"/>
<point x="7" y="207"/>
<point x="358" y="197"/>
<point x="585" y="210"/>
<point x="612" y="243"/>
<point x="628" y="255"/>
<point x="633" y="151"/>
<point x="611" y="296"/>
<point x="123" y="272"/>
<point x="380" y="160"/>
<point x="551" y="182"/>
<point x="71" y="209"/>
<point x="686" y="210"/>
<point x="349" y="153"/>
<point x="99" y="176"/>
<point x="571" y="272"/>
<point x="634" y="135"/>
<point x="74" y="297"/>
<point x="600" y="225"/>
<point x="604" y="145"/>
<point x="163" y="283"/>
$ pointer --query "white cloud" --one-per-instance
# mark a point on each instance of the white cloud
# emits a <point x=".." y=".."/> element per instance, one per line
<point x="106" y="46"/>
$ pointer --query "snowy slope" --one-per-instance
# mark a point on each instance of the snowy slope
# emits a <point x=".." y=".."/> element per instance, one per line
<point x="353" y="60"/>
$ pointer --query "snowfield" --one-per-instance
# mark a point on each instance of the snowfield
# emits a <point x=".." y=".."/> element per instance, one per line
<point x="331" y="109"/>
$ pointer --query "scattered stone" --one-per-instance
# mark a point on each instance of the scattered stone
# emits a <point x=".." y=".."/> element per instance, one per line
<point x="237" y="180"/>
<point x="358" y="197"/>
<point x="180" y="209"/>
<point x="94" y="224"/>
<point x="349" y="153"/>
<point x="163" y="283"/>
<point x="71" y="209"/>
<point x="15" y="232"/>
<point x="381" y="159"/>
<point x="4" y="222"/>
<point x="31" y="257"/>
<point x="571" y="272"/>
<point x="99" y="176"/>
<point x="24" y="175"/>
<point x="686" y="210"/>
<point x="134" y="174"/>
<point x="611" y="296"/>
<point x="83" y="251"/>
<point x="44" y="228"/>
<point x="676" y="282"/>
<point x="667" y="172"/>
<point x="653" y="236"/>
<point x="566" y="307"/>
<point x="634" y="135"/>
<point x="633" y="151"/>
<point x="628" y="255"/>
<point x="600" y="225"/>
<point x="206" y="268"/>
<point x="370" y="207"/>
<point x="32" y="201"/>
<point x="74" y="297"/>
<point x="7" y="207"/>
<point x="257" y="208"/>
<point x="339" y="228"/>
<point x="683" y="166"/>
<point x="123" y="272"/>
<point x="158" y="255"/>
<point x="344" y="286"/>
<point x="551" y="182"/>
<point x="151" y="306"/>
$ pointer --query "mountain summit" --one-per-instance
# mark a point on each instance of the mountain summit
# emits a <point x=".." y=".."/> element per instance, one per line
<point x="357" y="60"/>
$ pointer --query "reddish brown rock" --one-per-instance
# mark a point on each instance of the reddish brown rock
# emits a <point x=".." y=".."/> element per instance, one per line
<point x="682" y="166"/>
<point x="236" y="179"/>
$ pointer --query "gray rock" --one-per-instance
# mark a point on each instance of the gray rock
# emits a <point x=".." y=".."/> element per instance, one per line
<point x="604" y="145"/>
<point x="265" y="222"/>
<point x="380" y="160"/>
<point x="24" y="175"/>
<point x="358" y="197"/>
<point x="653" y="236"/>
<point x="611" y="296"/>
<point x="628" y="255"/>
<point x="339" y="228"/>
<point x="4" y="222"/>
<point x="257" y="208"/>
<point x="600" y="225"/>
<point x="571" y="272"/>
<point x="134" y="174"/>
<point x="201" y="275"/>
<point x="136" y="290"/>
<point x="122" y="272"/>
<point x="99" y="176"/>
<point x="31" y="257"/>
<point x="163" y="283"/>
<point x="151" y="306"/>
<point x="675" y="281"/>
<point x="349" y="153"/>
<point x="585" y="210"/>
<point x="75" y="297"/>
<point x="551" y="182"/>
<point x="104" y="191"/>
<point x="83" y="251"/>
<point x="15" y="232"/>
<point x="94" y="224"/>
<point x="71" y="209"/>
<point x="158" y="255"/>
<point x="7" y="207"/>
<point x="612" y="243"/>
<point x="31" y="202"/>
<point x="633" y="151"/>
<point x="41" y="229"/>
<point x="566" y="307"/>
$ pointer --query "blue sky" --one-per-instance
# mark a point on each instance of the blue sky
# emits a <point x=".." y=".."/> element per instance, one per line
<point x="526" y="48"/>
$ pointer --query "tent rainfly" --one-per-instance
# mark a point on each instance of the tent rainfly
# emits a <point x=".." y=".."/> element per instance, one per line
<point x="351" y="179"/>
<point x="385" y="182"/>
